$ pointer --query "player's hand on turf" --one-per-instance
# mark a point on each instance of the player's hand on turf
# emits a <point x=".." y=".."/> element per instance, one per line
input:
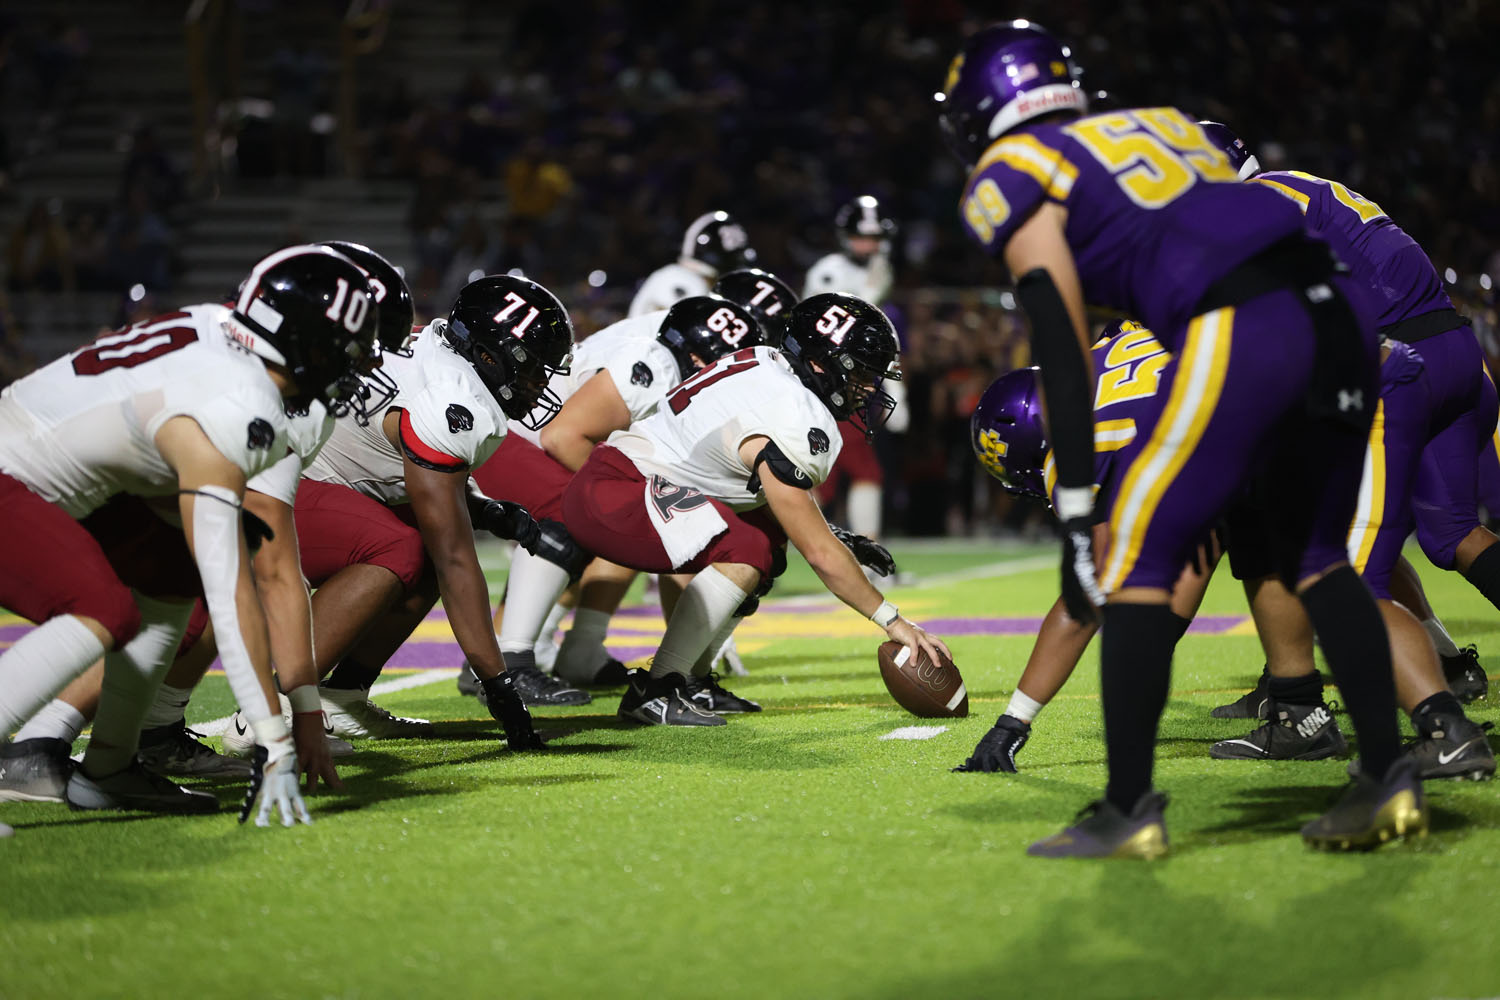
<point x="998" y="748"/>
<point x="313" y="758"/>
<point x="511" y="712"/>
<point x="916" y="639"/>
<point x="867" y="551"/>
<point x="1080" y="582"/>
<point x="273" y="785"/>
<point x="505" y="519"/>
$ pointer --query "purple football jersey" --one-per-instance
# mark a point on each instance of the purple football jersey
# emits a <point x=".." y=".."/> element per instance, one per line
<point x="1395" y="276"/>
<point x="1156" y="214"/>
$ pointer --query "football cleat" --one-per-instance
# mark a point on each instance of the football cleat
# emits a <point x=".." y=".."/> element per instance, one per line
<point x="997" y="749"/>
<point x="1371" y="812"/>
<point x="612" y="674"/>
<point x="34" y="770"/>
<point x="707" y="694"/>
<point x="174" y="749"/>
<point x="663" y="701"/>
<point x="468" y="681"/>
<point x="239" y="738"/>
<point x="1254" y="704"/>
<point x="135" y="788"/>
<point x="538" y="689"/>
<point x="1103" y="831"/>
<point x="1466" y="678"/>
<point x="1294" y="732"/>
<point x="1454" y="747"/>
<point x="351" y="714"/>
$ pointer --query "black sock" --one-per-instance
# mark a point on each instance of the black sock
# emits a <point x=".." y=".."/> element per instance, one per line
<point x="351" y="676"/>
<point x="1484" y="574"/>
<point x="1354" y="641"/>
<point x="1442" y="703"/>
<point x="522" y="659"/>
<point x="1304" y="690"/>
<point x="1135" y="667"/>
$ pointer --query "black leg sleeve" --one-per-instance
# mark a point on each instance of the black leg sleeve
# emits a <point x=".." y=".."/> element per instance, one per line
<point x="1135" y="663"/>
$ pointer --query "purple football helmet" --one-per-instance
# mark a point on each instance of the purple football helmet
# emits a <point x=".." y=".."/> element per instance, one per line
<point x="1005" y="74"/>
<point x="1240" y="157"/>
<point x="1007" y="433"/>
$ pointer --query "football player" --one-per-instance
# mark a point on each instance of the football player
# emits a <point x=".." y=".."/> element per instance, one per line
<point x="714" y="244"/>
<point x="719" y="479"/>
<point x="1140" y="212"/>
<point x="193" y="403"/>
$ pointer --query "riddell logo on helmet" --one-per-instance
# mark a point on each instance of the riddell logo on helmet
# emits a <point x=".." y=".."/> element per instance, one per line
<point x="1031" y="105"/>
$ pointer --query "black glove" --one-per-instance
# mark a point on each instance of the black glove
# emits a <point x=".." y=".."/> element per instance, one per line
<point x="867" y="552"/>
<point x="504" y="519"/>
<point x="997" y="750"/>
<point x="510" y="711"/>
<point x="1080" y="586"/>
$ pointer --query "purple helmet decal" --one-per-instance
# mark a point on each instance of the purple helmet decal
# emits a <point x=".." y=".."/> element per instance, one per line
<point x="1240" y="157"/>
<point x="1005" y="74"/>
<point x="1007" y="433"/>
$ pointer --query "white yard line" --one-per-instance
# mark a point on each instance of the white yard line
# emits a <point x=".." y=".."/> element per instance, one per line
<point x="419" y="679"/>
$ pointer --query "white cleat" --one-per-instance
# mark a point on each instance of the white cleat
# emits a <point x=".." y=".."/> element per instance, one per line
<point x="353" y="715"/>
<point x="239" y="738"/>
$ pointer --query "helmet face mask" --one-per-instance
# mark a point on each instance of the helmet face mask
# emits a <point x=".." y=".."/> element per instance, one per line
<point x="517" y="336"/>
<point x="700" y="329"/>
<point x="1008" y="436"/>
<point x="842" y="348"/>
<point x="395" y="317"/>
<point x="1006" y="74"/>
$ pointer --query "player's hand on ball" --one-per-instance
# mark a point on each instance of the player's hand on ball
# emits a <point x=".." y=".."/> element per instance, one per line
<point x="511" y="712"/>
<point x="917" y="640"/>
<point x="273" y="785"/>
<point x="313" y="758"/>
<point x="1081" y="593"/>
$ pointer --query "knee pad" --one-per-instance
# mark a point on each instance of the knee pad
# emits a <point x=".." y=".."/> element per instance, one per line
<point x="751" y="603"/>
<point x="557" y="546"/>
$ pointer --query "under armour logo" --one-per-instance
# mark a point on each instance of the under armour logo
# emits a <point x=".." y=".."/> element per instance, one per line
<point x="1351" y="399"/>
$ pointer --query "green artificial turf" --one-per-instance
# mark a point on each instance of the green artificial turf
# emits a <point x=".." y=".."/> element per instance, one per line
<point x="790" y="853"/>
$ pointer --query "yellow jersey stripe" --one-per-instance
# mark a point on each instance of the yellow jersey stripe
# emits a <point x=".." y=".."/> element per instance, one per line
<point x="1040" y="162"/>
<point x="1370" y="512"/>
<point x="1201" y="368"/>
<point x="1291" y="192"/>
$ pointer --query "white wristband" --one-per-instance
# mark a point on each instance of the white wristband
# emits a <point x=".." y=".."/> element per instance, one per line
<point x="273" y="734"/>
<point x="305" y="699"/>
<point x="885" y="614"/>
<point x="1073" y="501"/>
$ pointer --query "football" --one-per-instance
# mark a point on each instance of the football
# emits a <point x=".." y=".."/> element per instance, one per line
<point x="925" y="689"/>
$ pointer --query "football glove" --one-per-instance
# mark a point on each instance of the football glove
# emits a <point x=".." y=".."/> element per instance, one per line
<point x="274" y="783"/>
<point x="1080" y="585"/>
<point x="510" y="711"/>
<point x="997" y="750"/>
<point x="504" y="519"/>
<point x="867" y="552"/>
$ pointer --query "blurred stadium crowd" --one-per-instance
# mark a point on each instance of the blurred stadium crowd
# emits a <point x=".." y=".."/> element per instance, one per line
<point x="597" y="130"/>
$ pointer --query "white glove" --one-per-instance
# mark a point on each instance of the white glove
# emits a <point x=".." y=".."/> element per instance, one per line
<point x="274" y="780"/>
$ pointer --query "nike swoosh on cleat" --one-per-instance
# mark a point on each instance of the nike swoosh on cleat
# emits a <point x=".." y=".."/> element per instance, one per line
<point x="239" y="727"/>
<point x="1444" y="758"/>
<point x="1244" y="743"/>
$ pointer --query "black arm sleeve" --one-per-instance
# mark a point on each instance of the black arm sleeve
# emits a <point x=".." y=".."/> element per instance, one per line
<point x="781" y="467"/>
<point x="1067" y="379"/>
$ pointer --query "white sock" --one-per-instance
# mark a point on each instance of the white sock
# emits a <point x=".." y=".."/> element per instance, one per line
<point x="1022" y="707"/>
<point x="532" y="589"/>
<point x="40" y="664"/>
<point x="131" y="677"/>
<point x="1440" y="637"/>
<point x="583" y="651"/>
<point x="57" y="720"/>
<point x="705" y="663"/>
<point x="169" y="706"/>
<point x="864" y="509"/>
<point x="704" y="607"/>
<point x="549" y="627"/>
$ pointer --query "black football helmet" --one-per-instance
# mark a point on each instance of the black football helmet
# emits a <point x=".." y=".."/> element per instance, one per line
<point x="716" y="243"/>
<point x="862" y="218"/>
<point x="310" y="309"/>
<point x="764" y="294"/>
<point x="517" y="336"/>
<point x="842" y="347"/>
<point x="700" y="329"/>
<point x="395" y="315"/>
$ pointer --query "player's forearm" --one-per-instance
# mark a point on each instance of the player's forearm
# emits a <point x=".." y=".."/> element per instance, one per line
<point x="1055" y="654"/>
<point x="836" y="567"/>
<point x="466" y="599"/>
<point x="289" y="620"/>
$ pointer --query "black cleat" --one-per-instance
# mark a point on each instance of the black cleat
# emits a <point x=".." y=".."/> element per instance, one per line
<point x="1453" y="747"/>
<point x="1254" y="704"/>
<point x="1466" y="678"/>
<point x="468" y="681"/>
<point x="174" y="749"/>
<point x="537" y="688"/>
<point x="34" y="770"/>
<point x="135" y="788"/>
<point x="663" y="701"/>
<point x="612" y="674"/>
<point x="998" y="748"/>
<point x="1371" y="812"/>
<point x="707" y="694"/>
<point x="1103" y="831"/>
<point x="1296" y="732"/>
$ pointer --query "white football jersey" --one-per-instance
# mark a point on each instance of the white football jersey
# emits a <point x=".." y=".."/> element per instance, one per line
<point x="305" y="437"/>
<point x="666" y="286"/>
<point x="449" y="421"/>
<point x="838" y="273"/>
<point x="619" y="347"/>
<point x="84" y="427"/>
<point x="694" y="437"/>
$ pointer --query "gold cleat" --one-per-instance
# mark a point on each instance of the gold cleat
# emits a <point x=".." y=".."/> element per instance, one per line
<point x="1371" y="813"/>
